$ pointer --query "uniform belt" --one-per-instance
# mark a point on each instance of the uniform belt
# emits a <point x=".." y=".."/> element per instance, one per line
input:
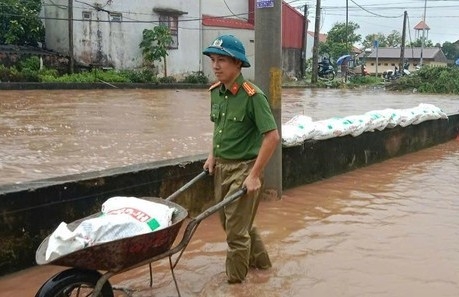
<point x="232" y="161"/>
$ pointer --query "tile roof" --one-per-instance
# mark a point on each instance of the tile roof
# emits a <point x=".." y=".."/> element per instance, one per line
<point x="394" y="52"/>
<point x="214" y="21"/>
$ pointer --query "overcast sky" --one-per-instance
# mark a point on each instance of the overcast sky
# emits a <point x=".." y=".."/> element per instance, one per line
<point x="376" y="16"/>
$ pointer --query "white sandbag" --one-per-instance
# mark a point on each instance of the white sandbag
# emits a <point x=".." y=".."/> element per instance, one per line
<point x="155" y="215"/>
<point x="301" y="128"/>
<point x="297" y="130"/>
<point x="92" y="231"/>
<point x="408" y="116"/>
<point x="428" y="112"/>
<point x="359" y="124"/>
<point x="378" y="120"/>
<point x="121" y="217"/>
<point x="394" y="118"/>
<point x="300" y="121"/>
<point x="291" y="135"/>
<point x="334" y="127"/>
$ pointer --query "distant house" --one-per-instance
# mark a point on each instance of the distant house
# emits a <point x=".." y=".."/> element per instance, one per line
<point x="310" y="42"/>
<point x="389" y="57"/>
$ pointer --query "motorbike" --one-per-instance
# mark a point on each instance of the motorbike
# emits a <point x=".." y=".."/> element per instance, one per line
<point x="326" y="70"/>
<point x="396" y="73"/>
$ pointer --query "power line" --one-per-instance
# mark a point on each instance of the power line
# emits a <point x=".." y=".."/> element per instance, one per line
<point x="373" y="13"/>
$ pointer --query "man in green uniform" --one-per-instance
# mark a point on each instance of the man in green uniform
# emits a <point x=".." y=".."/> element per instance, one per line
<point x="245" y="137"/>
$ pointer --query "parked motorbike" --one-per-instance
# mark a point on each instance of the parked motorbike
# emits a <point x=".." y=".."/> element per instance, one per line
<point x="396" y="73"/>
<point x="326" y="70"/>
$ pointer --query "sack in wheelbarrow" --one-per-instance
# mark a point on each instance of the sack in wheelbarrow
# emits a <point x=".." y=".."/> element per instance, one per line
<point x="120" y="217"/>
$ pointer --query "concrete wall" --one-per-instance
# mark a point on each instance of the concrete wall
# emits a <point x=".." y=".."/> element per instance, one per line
<point x="31" y="211"/>
<point x="99" y="40"/>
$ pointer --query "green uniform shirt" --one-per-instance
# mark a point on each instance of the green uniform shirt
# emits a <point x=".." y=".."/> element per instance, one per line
<point x="241" y="116"/>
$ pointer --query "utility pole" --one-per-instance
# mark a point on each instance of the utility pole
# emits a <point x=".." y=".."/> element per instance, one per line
<point x="70" y="27"/>
<point x="423" y="32"/>
<point x="268" y="76"/>
<point x="402" y="47"/>
<point x="315" y="48"/>
<point x="347" y="26"/>
<point x="304" y="56"/>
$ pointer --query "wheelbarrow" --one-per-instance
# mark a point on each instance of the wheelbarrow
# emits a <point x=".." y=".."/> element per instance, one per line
<point x="93" y="266"/>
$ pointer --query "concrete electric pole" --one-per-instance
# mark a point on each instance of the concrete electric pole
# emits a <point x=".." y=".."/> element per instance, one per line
<point x="70" y="27"/>
<point x="315" y="48"/>
<point x="268" y="76"/>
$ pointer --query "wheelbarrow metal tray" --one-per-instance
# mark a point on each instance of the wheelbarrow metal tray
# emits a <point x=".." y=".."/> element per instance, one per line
<point x="122" y="253"/>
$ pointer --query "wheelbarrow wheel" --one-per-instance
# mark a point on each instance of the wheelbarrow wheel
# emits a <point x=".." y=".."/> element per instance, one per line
<point x="74" y="282"/>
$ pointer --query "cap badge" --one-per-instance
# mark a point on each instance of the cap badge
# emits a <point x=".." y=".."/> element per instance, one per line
<point x="217" y="43"/>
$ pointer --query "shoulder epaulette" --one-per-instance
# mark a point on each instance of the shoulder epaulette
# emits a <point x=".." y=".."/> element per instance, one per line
<point x="218" y="83"/>
<point x="249" y="88"/>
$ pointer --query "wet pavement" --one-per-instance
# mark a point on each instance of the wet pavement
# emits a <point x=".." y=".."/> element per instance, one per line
<point x="389" y="229"/>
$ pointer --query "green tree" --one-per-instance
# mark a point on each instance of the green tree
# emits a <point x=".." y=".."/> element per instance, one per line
<point x="155" y="44"/>
<point x="418" y="43"/>
<point x="20" y="23"/>
<point x="450" y="50"/>
<point x="340" y="39"/>
<point x="394" y="39"/>
<point x="369" y="40"/>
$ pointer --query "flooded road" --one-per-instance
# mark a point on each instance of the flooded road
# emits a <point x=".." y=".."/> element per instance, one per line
<point x="47" y="133"/>
<point x="386" y="230"/>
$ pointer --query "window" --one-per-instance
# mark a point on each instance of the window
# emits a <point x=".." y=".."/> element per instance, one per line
<point x="171" y="22"/>
<point x="87" y="15"/>
<point x="116" y="17"/>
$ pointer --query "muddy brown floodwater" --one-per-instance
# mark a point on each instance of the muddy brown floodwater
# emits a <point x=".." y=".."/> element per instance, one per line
<point x="386" y="230"/>
<point x="47" y="133"/>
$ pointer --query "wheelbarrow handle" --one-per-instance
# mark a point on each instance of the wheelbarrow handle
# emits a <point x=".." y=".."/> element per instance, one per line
<point x="187" y="185"/>
<point x="231" y="198"/>
<point x="194" y="223"/>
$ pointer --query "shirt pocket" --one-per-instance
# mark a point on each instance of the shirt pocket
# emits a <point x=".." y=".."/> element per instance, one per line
<point x="236" y="116"/>
<point x="237" y="113"/>
<point x="214" y="112"/>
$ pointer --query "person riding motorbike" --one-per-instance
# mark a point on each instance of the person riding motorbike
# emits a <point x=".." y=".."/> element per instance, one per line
<point x="326" y="70"/>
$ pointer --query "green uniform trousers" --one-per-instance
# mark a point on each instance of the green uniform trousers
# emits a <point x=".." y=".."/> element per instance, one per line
<point x="245" y="247"/>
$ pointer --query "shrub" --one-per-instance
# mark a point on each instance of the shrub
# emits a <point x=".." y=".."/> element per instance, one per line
<point x="364" y="80"/>
<point x="140" y="76"/>
<point x="430" y="79"/>
<point x="31" y="63"/>
<point x="167" y="79"/>
<point x="197" y="77"/>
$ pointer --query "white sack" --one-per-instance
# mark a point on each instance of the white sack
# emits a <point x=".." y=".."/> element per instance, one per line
<point x="121" y="217"/>
<point x="297" y="130"/>
<point x="92" y="231"/>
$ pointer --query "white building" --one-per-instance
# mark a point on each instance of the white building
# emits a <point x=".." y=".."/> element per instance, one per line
<point x="107" y="33"/>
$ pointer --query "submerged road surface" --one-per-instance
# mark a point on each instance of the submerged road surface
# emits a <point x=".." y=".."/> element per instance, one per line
<point x="386" y="230"/>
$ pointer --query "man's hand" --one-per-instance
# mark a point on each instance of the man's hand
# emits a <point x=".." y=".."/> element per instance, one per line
<point x="252" y="184"/>
<point x="209" y="164"/>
